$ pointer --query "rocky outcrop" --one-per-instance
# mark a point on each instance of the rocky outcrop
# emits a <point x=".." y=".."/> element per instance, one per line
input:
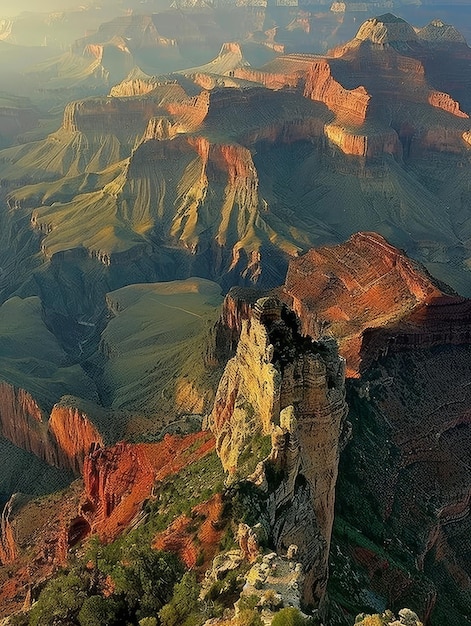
<point x="22" y="421"/>
<point x="273" y="371"/>
<point x="437" y="32"/>
<point x="349" y="105"/>
<point x="33" y="544"/>
<point x="8" y="547"/>
<point x="368" y="144"/>
<point x="62" y="440"/>
<point x="117" y="481"/>
<point x="406" y="618"/>
<point x="108" y="115"/>
<point x="120" y="478"/>
<point x="387" y="29"/>
<point x="365" y="284"/>
<point x="195" y="548"/>
<point x="445" y="101"/>
<point x="73" y="435"/>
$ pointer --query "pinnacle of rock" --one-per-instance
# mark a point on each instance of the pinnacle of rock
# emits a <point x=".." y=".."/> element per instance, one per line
<point x="386" y="29"/>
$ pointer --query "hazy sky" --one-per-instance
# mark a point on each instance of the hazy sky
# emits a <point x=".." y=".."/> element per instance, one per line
<point x="13" y="7"/>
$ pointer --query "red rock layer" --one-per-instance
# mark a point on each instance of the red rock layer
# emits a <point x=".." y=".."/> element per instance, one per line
<point x="37" y="535"/>
<point x="119" y="479"/>
<point x="350" y="106"/>
<point x="365" y="284"/>
<point x="73" y="435"/>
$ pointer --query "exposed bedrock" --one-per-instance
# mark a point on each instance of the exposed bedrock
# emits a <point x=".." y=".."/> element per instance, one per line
<point x="292" y="389"/>
<point x="119" y="479"/>
<point x="374" y="299"/>
<point x="62" y="440"/>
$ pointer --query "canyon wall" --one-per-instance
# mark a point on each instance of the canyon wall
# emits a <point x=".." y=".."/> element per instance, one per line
<point x="119" y="479"/>
<point x="349" y="105"/>
<point x="62" y="440"/>
<point x="373" y="299"/>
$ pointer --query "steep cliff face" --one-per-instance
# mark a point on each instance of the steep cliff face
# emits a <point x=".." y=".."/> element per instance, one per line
<point x="22" y="421"/>
<point x="350" y="106"/>
<point x="275" y="370"/>
<point x="357" y="142"/>
<point x="387" y="29"/>
<point x="8" y="547"/>
<point x="72" y="435"/>
<point x="62" y="440"/>
<point x="101" y="116"/>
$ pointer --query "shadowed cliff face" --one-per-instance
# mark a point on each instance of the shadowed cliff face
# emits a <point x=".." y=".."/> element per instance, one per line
<point x="404" y="475"/>
<point x="282" y="385"/>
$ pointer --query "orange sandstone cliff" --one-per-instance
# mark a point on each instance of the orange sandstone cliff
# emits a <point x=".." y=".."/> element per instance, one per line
<point x="63" y="439"/>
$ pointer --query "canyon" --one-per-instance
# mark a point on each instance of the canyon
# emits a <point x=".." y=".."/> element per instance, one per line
<point x="182" y="165"/>
<point x="227" y="329"/>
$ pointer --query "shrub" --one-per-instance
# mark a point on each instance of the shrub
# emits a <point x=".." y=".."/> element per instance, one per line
<point x="184" y="602"/>
<point x="98" y="611"/>
<point x="249" y="617"/>
<point x="290" y="616"/>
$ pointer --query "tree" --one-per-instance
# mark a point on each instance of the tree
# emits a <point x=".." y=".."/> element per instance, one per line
<point x="60" y="601"/>
<point x="98" y="611"/>
<point x="183" y="603"/>
<point x="146" y="577"/>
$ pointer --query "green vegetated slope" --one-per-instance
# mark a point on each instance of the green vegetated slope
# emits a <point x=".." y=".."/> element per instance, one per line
<point x="31" y="357"/>
<point x="23" y="472"/>
<point x="154" y="347"/>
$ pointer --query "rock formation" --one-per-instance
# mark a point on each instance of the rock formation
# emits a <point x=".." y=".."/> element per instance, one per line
<point x="373" y="299"/>
<point x="119" y="479"/>
<point x="273" y="371"/>
<point x="62" y="440"/>
<point x="192" y="157"/>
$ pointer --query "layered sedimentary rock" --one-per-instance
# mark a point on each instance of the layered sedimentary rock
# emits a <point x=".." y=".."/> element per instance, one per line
<point x="119" y="479"/>
<point x="372" y="298"/>
<point x="213" y="172"/>
<point x="73" y="435"/>
<point x="387" y="29"/>
<point x="273" y="371"/>
<point x="62" y="440"/>
<point x="348" y="105"/>
<point x="34" y="544"/>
